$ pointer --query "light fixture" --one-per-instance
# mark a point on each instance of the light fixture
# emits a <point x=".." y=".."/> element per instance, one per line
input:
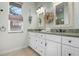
<point x="40" y="10"/>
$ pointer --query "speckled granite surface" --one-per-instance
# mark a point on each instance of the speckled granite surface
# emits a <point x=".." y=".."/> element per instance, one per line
<point x="62" y="32"/>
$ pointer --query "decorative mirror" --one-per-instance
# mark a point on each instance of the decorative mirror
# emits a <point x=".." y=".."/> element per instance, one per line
<point x="48" y="17"/>
<point x="62" y="13"/>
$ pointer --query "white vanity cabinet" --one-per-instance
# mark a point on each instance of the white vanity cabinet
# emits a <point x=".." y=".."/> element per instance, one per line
<point x="70" y="46"/>
<point x="52" y="48"/>
<point x="37" y="42"/>
<point x="53" y="45"/>
<point x="31" y="40"/>
<point x="45" y="44"/>
<point x="41" y="43"/>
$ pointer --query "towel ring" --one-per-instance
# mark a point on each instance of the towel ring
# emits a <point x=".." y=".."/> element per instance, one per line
<point x="1" y="10"/>
<point x="2" y="29"/>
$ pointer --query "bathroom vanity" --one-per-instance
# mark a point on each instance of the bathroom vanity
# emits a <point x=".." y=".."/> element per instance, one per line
<point x="54" y="43"/>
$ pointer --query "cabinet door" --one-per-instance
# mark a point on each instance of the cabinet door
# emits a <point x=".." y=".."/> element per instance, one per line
<point x="32" y="40"/>
<point x="74" y="51"/>
<point x="69" y="51"/>
<point x="41" y="46"/>
<point x="52" y="48"/>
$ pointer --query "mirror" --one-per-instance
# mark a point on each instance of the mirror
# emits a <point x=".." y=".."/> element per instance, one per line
<point x="62" y="13"/>
<point x="40" y="15"/>
<point x="41" y="20"/>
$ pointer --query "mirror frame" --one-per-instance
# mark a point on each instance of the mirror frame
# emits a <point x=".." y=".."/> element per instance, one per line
<point x="71" y="19"/>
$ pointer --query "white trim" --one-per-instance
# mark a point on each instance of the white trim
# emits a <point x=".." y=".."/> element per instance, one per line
<point x="7" y="51"/>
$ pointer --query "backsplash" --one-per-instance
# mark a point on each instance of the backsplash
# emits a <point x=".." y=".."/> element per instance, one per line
<point x="34" y="29"/>
<point x="72" y="30"/>
<point x="59" y="30"/>
<point x="65" y="30"/>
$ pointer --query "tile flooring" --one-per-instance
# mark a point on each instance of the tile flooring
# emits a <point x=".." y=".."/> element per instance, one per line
<point x="22" y="52"/>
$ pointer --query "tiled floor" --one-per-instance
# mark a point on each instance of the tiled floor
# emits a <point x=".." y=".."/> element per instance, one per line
<point x="22" y="52"/>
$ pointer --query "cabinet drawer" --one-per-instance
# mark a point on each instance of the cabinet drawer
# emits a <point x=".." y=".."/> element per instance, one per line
<point x="71" y="41"/>
<point x="40" y="35"/>
<point x="54" y="38"/>
<point x="31" y="34"/>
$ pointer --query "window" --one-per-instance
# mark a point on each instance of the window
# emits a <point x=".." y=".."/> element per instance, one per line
<point x="15" y="17"/>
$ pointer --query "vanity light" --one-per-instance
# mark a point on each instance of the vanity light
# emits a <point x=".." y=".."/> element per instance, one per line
<point x="40" y="10"/>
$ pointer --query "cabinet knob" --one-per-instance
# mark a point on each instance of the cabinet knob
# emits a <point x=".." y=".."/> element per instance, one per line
<point x="1" y="10"/>
<point x="36" y="40"/>
<point x="69" y="54"/>
<point x="45" y="44"/>
<point x="69" y="41"/>
<point x="28" y="37"/>
<point x="41" y="42"/>
<point x="41" y="35"/>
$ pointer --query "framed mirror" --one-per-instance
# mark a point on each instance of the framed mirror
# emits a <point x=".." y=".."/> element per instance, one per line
<point x="62" y="14"/>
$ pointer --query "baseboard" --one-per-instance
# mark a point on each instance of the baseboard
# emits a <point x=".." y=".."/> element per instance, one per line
<point x="7" y="51"/>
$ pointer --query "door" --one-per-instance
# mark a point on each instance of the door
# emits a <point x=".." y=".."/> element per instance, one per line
<point x="31" y="42"/>
<point x="52" y="48"/>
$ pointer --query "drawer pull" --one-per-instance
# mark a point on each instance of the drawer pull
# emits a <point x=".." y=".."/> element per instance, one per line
<point x="69" y="41"/>
<point x="41" y="42"/>
<point x="29" y="38"/>
<point x="69" y="54"/>
<point x="45" y="44"/>
<point x="41" y="35"/>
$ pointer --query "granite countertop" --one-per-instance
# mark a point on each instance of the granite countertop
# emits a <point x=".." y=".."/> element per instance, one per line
<point x="71" y="34"/>
<point x="57" y="33"/>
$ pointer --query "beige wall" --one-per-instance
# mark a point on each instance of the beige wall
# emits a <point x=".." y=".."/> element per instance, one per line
<point x="12" y="41"/>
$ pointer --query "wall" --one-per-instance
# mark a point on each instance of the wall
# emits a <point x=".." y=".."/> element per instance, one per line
<point x="13" y="41"/>
<point x="76" y="15"/>
<point x="49" y="7"/>
<point x="31" y="11"/>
